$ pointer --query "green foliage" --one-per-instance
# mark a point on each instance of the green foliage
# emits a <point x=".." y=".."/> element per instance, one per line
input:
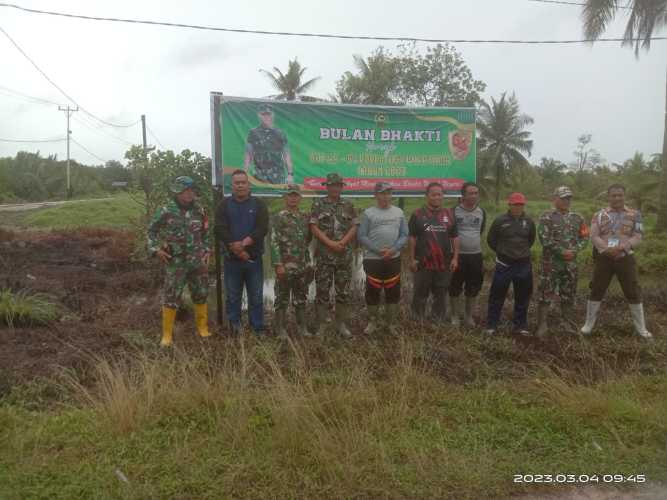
<point x="439" y="77"/>
<point x="30" y="177"/>
<point x="503" y="140"/>
<point x="290" y="85"/>
<point x="25" y="309"/>
<point x="118" y="212"/>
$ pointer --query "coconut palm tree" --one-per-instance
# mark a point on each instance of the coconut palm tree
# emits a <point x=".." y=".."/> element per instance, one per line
<point x="504" y="138"/>
<point x="291" y="84"/>
<point x="644" y="18"/>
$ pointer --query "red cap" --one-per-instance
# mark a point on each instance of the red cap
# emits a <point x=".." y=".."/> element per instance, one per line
<point x="517" y="199"/>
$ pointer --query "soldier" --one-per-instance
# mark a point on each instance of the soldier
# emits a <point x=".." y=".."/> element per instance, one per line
<point x="383" y="232"/>
<point x="266" y="147"/>
<point x="615" y="233"/>
<point x="290" y="237"/>
<point x="563" y="234"/>
<point x="333" y="222"/>
<point x="179" y="237"/>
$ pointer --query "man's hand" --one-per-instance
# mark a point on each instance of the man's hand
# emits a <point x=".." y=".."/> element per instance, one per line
<point x="454" y="264"/>
<point x="336" y="246"/>
<point x="236" y="247"/>
<point x="243" y="255"/>
<point x="206" y="258"/>
<point x="613" y="252"/>
<point x="568" y="255"/>
<point x="163" y="256"/>
<point x="290" y="178"/>
<point x="414" y="264"/>
<point x="280" y="271"/>
<point x="387" y="253"/>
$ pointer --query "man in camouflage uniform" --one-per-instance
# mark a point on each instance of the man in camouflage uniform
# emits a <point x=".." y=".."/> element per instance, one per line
<point x="290" y="237"/>
<point x="267" y="149"/>
<point x="179" y="237"/>
<point x="563" y="235"/>
<point x="333" y="222"/>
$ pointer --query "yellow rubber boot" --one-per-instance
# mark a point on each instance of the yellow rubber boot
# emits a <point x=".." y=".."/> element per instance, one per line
<point x="201" y="320"/>
<point x="168" y="319"/>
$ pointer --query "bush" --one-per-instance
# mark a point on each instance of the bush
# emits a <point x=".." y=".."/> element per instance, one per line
<point x="25" y="309"/>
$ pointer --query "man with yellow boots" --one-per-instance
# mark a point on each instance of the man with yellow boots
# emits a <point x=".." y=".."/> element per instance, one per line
<point x="179" y="237"/>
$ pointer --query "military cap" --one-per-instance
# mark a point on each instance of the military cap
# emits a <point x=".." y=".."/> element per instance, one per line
<point x="181" y="183"/>
<point x="333" y="178"/>
<point x="563" y="192"/>
<point x="293" y="188"/>
<point x="382" y="187"/>
<point x="265" y="108"/>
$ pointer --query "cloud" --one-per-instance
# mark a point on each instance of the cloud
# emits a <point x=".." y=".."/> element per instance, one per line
<point x="194" y="55"/>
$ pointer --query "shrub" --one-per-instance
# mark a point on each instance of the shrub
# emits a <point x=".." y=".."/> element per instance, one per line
<point x="24" y="309"/>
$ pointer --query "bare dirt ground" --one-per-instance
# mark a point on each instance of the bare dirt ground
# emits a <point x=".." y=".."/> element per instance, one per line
<point x="110" y="303"/>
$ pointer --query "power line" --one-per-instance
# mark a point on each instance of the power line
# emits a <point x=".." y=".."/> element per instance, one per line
<point x="87" y="150"/>
<point x="155" y="137"/>
<point x="316" y="35"/>
<point x="33" y="140"/>
<point x="101" y="131"/>
<point x="56" y="85"/>
<point x="20" y="95"/>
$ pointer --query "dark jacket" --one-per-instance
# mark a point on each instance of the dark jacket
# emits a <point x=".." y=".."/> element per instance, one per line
<point x="511" y="238"/>
<point x="235" y="220"/>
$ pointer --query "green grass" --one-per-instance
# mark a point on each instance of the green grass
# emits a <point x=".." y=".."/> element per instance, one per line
<point x="24" y="309"/>
<point x="117" y="212"/>
<point x="263" y="421"/>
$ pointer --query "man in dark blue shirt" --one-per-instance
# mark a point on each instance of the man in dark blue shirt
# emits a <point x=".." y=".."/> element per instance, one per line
<point x="242" y="222"/>
<point x="511" y="236"/>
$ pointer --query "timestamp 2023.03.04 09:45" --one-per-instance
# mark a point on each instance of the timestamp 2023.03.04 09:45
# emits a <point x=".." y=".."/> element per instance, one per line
<point x="578" y="478"/>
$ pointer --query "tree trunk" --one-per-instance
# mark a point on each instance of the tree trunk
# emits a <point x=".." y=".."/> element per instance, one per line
<point x="661" y="225"/>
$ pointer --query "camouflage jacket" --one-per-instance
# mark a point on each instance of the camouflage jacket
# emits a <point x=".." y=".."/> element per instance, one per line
<point x="335" y="219"/>
<point x="559" y="232"/>
<point x="267" y="146"/>
<point x="183" y="233"/>
<point x="290" y="238"/>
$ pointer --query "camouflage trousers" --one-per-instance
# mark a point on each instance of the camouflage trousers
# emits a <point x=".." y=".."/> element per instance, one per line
<point x="272" y="175"/>
<point x="180" y="273"/>
<point x="337" y="272"/>
<point x="295" y="283"/>
<point x="557" y="278"/>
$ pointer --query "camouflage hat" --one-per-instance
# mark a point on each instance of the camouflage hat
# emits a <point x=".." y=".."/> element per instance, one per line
<point x="563" y="192"/>
<point x="333" y="178"/>
<point x="382" y="187"/>
<point x="293" y="188"/>
<point x="265" y="108"/>
<point x="181" y="183"/>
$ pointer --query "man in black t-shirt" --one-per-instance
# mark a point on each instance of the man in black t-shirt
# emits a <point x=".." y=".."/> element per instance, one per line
<point x="434" y="253"/>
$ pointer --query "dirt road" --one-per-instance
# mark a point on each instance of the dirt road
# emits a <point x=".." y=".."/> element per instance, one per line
<point x="20" y="207"/>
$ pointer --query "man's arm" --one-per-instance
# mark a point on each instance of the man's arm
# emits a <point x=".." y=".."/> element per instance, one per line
<point x="532" y="233"/>
<point x="288" y="163"/>
<point x="261" y="224"/>
<point x="153" y="233"/>
<point x="637" y="232"/>
<point x="362" y="234"/>
<point x="598" y="242"/>
<point x="492" y="236"/>
<point x="456" y="245"/>
<point x="402" y="236"/>
<point x="222" y="229"/>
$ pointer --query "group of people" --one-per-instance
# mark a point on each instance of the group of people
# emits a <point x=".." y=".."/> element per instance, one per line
<point x="444" y="248"/>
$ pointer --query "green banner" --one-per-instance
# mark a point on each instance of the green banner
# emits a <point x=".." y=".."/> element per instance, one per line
<point x="280" y="142"/>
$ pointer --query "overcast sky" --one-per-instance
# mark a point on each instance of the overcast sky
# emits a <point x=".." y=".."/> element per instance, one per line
<point x="120" y="71"/>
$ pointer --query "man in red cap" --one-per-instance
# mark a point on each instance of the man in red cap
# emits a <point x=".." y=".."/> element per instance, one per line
<point x="511" y="236"/>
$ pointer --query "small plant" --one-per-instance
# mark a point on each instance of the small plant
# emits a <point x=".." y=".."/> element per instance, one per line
<point x="24" y="309"/>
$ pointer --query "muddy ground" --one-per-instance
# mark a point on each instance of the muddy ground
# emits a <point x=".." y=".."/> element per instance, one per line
<point x="109" y="303"/>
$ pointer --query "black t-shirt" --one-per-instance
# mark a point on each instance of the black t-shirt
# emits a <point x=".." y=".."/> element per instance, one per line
<point x="433" y="230"/>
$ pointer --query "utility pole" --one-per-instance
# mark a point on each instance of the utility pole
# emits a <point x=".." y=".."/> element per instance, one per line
<point x="143" y="131"/>
<point x="68" y="112"/>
